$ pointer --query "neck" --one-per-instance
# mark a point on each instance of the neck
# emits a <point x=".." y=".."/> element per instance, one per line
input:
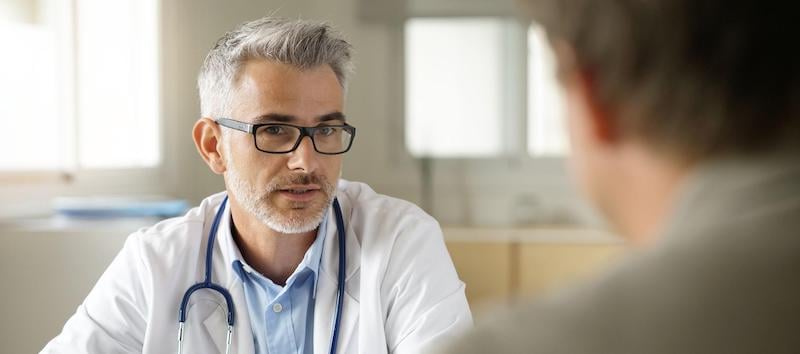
<point x="646" y="188"/>
<point x="273" y="254"/>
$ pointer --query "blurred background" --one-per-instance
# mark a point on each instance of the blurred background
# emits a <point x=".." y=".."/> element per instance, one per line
<point x="455" y="102"/>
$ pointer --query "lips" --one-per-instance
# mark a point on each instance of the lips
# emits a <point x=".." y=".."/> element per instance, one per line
<point x="300" y="188"/>
<point x="300" y="193"/>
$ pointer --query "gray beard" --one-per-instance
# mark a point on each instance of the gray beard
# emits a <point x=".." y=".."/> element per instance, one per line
<point x="258" y="204"/>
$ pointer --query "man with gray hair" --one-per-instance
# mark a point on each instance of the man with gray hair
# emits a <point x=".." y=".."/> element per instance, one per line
<point x="291" y="258"/>
<point x="684" y="118"/>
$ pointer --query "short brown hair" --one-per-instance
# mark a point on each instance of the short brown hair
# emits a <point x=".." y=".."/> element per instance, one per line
<point x="693" y="78"/>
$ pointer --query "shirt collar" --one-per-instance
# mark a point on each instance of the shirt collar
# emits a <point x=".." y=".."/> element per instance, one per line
<point x="311" y="260"/>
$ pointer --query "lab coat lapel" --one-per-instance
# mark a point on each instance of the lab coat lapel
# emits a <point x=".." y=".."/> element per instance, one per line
<point x="216" y="323"/>
<point x="325" y="303"/>
<point x="224" y="273"/>
<point x="324" y="316"/>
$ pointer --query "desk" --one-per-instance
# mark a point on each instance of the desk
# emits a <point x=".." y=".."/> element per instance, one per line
<point x="47" y="266"/>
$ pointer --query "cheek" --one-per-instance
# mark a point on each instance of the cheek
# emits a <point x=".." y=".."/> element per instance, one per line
<point x="253" y="166"/>
<point x="268" y="167"/>
<point x="333" y="168"/>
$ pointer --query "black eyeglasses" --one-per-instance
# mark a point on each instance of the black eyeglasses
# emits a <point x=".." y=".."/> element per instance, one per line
<point x="281" y="138"/>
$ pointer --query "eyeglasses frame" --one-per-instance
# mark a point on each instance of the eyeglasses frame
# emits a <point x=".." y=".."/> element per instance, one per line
<point x="304" y="132"/>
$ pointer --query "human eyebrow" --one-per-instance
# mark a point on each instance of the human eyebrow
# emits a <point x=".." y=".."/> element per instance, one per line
<point x="274" y="118"/>
<point x="332" y="116"/>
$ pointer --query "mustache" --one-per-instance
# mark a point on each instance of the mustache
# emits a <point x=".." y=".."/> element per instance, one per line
<point x="298" y="178"/>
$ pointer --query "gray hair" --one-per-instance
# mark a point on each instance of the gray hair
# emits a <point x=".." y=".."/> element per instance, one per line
<point x="303" y="44"/>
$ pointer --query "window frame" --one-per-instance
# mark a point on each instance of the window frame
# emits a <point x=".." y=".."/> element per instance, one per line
<point x="26" y="193"/>
<point x="457" y="190"/>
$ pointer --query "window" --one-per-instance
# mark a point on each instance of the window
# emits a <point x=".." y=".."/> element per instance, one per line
<point x="462" y="89"/>
<point x="546" y="135"/>
<point x="484" y="116"/>
<point x="80" y="86"/>
<point x="454" y="87"/>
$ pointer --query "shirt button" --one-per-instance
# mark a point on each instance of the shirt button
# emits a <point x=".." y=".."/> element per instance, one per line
<point x="277" y="308"/>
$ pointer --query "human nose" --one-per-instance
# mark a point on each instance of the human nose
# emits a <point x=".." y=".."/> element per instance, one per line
<point x="304" y="158"/>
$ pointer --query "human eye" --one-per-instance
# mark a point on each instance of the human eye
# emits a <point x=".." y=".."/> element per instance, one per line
<point x="326" y="130"/>
<point x="273" y="130"/>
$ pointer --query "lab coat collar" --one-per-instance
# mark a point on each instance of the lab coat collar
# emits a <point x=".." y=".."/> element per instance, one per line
<point x="228" y="248"/>
<point x="311" y="259"/>
<point x="325" y="307"/>
<point x="327" y="282"/>
<point x="330" y="259"/>
<point x="225" y="275"/>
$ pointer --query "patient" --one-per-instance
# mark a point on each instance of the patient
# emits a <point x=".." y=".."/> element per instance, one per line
<point x="684" y="119"/>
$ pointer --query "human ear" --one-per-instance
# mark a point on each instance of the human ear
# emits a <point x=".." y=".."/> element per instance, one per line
<point x="601" y="126"/>
<point x="206" y="134"/>
<point x="580" y="83"/>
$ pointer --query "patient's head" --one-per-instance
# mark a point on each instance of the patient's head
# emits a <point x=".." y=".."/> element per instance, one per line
<point x="657" y="87"/>
<point x="693" y="79"/>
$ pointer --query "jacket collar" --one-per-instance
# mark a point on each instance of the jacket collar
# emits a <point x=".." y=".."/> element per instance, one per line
<point x="731" y="189"/>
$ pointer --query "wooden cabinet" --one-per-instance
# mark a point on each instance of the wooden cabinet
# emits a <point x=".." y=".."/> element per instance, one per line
<point x="486" y="268"/>
<point x="546" y="266"/>
<point x="500" y="264"/>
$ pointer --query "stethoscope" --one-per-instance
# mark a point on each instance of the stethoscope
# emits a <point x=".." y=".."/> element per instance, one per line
<point x="207" y="284"/>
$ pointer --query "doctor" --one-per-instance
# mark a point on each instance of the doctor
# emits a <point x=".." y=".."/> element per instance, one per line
<point x="272" y="94"/>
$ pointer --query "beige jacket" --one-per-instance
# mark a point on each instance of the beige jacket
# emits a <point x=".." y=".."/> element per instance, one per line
<point x="725" y="278"/>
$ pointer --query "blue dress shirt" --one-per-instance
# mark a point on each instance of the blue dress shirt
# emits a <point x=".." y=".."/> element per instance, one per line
<point x="282" y="318"/>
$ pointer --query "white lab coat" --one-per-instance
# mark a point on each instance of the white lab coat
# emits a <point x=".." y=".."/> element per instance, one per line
<point x="402" y="292"/>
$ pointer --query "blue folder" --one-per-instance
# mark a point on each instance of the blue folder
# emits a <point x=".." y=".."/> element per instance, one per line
<point x="113" y="207"/>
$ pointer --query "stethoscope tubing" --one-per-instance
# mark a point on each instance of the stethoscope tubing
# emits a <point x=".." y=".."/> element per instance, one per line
<point x="341" y="276"/>
<point x="208" y="284"/>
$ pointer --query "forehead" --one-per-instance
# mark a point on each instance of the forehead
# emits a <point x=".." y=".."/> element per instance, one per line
<point x="267" y="87"/>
